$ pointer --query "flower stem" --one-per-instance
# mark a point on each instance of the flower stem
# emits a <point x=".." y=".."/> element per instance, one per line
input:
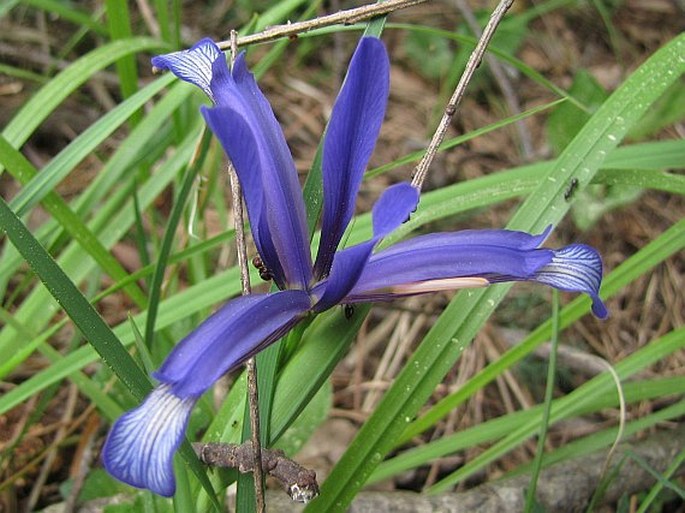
<point x="251" y="367"/>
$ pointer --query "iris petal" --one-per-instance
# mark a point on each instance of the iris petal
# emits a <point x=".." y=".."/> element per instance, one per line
<point x="349" y="142"/>
<point x="479" y="253"/>
<point x="240" y="142"/>
<point x="474" y="258"/>
<point x="230" y="336"/>
<point x="140" y="447"/>
<point x="285" y="204"/>
<point x="249" y="133"/>
<point x="390" y="211"/>
<point x="193" y="65"/>
<point x="576" y="268"/>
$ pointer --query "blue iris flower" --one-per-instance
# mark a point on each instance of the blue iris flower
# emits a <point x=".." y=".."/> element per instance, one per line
<point x="140" y="447"/>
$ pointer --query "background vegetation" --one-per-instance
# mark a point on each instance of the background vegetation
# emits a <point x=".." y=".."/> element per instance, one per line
<point x="119" y="239"/>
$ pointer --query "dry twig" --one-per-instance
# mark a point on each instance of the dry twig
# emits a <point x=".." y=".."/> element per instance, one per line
<point x="299" y="482"/>
<point x="251" y="367"/>
<point x="347" y="17"/>
<point x="450" y="110"/>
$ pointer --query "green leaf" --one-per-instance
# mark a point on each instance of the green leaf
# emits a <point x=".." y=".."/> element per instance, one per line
<point x="22" y="169"/>
<point x="497" y="428"/>
<point x="41" y="104"/>
<point x="567" y="119"/>
<point x="571" y="404"/>
<point x="119" y="25"/>
<point x="82" y="146"/>
<point x="86" y="318"/>
<point x="306" y="422"/>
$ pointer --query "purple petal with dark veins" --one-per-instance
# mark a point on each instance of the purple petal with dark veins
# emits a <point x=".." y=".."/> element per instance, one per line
<point x="349" y="142"/>
<point x="392" y="209"/>
<point x="193" y="65"/>
<point x="475" y="258"/>
<point x="228" y="337"/>
<point x="140" y="446"/>
<point x="576" y="268"/>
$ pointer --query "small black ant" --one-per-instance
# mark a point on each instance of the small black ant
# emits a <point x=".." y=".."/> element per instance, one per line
<point x="568" y="194"/>
<point x="264" y="273"/>
<point x="348" y="310"/>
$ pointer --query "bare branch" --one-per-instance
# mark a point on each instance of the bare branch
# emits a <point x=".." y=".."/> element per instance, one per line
<point x="502" y="80"/>
<point x="451" y="108"/>
<point x="299" y="482"/>
<point x="346" y="17"/>
<point x="251" y="366"/>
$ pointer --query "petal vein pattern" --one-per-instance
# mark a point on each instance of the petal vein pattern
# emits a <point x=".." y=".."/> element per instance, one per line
<point x="194" y="65"/>
<point x="140" y="447"/>
<point x="576" y="268"/>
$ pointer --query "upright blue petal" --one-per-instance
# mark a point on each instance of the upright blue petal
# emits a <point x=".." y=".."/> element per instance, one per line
<point x="247" y="129"/>
<point x="240" y="142"/>
<point x="476" y="258"/>
<point x="249" y="132"/>
<point x="141" y="444"/>
<point x="391" y="210"/>
<point x="349" y="142"/>
<point x="193" y="65"/>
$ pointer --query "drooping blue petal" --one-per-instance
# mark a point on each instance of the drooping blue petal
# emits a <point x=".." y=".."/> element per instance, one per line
<point x="228" y="337"/>
<point x="576" y="268"/>
<point x="349" y="142"/>
<point x="473" y="259"/>
<point x="141" y="444"/>
<point x="247" y="128"/>
<point x="391" y="210"/>
<point x="448" y="255"/>
<point x="193" y="65"/>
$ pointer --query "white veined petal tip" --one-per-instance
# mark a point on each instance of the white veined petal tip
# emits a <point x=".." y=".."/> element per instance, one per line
<point x="576" y="268"/>
<point x="193" y="65"/>
<point x="141" y="444"/>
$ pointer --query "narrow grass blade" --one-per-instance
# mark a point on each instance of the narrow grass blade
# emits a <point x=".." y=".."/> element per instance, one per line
<point x="22" y="169"/>
<point x="658" y="487"/>
<point x="569" y="405"/>
<point x="70" y="13"/>
<point x="497" y="428"/>
<point x="41" y="104"/>
<point x="65" y="162"/>
<point x="546" y="407"/>
<point x="86" y="318"/>
<point x="119" y="26"/>
<point x="170" y="233"/>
